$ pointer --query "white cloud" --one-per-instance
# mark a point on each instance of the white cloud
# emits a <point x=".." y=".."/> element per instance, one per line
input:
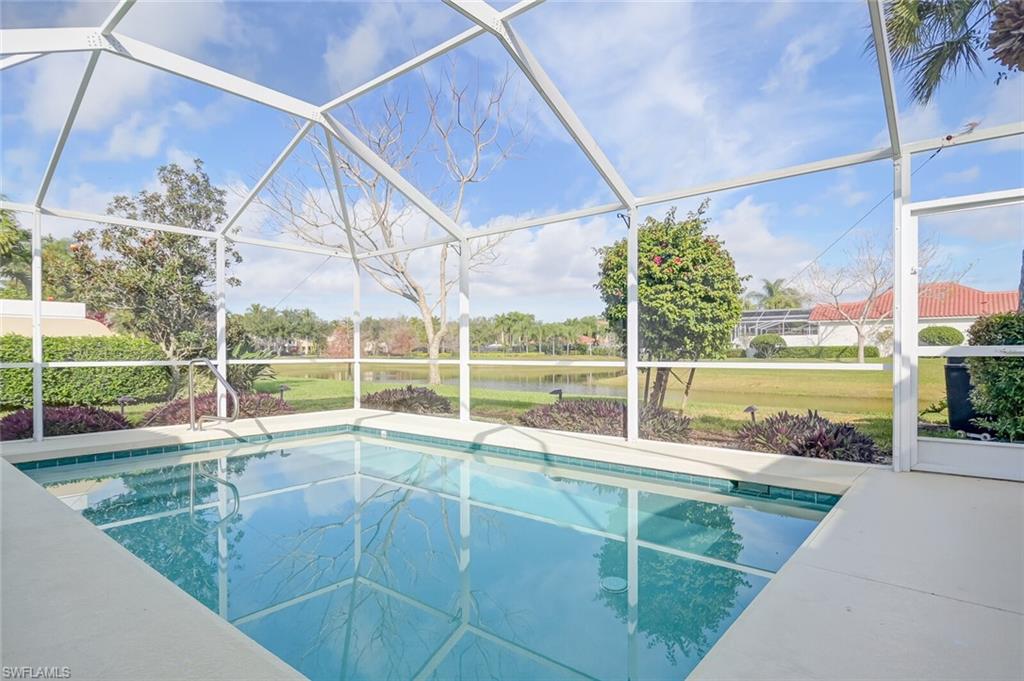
<point x="846" y="192"/>
<point x="117" y="84"/>
<point x="383" y="30"/>
<point x="671" y="92"/>
<point x="549" y="270"/>
<point x="22" y="168"/>
<point x="982" y="225"/>
<point x="803" y="210"/>
<point x="1005" y="103"/>
<point x="356" y="56"/>
<point x="180" y="156"/>
<point x="746" y="229"/>
<point x="134" y="137"/>
<point x="774" y="14"/>
<point x="961" y="176"/>
<point x="800" y="57"/>
<point x="85" y="197"/>
<point x="273" y="276"/>
<point x="919" y="122"/>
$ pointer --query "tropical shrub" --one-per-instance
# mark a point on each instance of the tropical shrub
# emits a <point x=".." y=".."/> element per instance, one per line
<point x="244" y="376"/>
<point x="735" y="353"/>
<point x="666" y="425"/>
<point x="827" y="352"/>
<point x="61" y="421"/>
<point x="607" y="417"/>
<point x="767" y="345"/>
<point x="250" y="405"/>
<point x="411" y="400"/>
<point x="82" y="385"/>
<point x="940" y="335"/>
<point x="809" y="435"/>
<point x="998" y="382"/>
<point x="687" y="289"/>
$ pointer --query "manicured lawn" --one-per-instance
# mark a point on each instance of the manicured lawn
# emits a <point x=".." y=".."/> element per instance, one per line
<point x="716" y="403"/>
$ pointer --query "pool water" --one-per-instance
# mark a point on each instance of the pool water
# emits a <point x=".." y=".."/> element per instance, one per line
<point x="351" y="557"/>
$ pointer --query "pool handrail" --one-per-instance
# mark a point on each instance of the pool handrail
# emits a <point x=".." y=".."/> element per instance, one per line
<point x="195" y="424"/>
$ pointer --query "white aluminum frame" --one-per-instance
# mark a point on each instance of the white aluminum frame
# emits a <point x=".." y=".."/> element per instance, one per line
<point x="23" y="45"/>
<point x="941" y="455"/>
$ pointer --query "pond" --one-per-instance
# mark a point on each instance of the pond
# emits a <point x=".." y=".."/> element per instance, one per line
<point x="579" y="381"/>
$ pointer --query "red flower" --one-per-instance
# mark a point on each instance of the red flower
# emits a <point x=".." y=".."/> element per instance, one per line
<point x="658" y="260"/>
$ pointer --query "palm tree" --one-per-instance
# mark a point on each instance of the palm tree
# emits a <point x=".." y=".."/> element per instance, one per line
<point x="776" y="295"/>
<point x="931" y="40"/>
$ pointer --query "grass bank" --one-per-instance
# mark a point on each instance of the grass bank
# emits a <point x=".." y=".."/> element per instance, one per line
<point x="716" y="402"/>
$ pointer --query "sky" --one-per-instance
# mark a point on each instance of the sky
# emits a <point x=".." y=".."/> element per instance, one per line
<point x="676" y="93"/>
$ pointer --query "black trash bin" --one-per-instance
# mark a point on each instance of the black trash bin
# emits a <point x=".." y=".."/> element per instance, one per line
<point x="958" y="396"/>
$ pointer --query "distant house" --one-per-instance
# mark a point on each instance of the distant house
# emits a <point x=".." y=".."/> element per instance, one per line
<point x="939" y="304"/>
<point x="58" y="319"/>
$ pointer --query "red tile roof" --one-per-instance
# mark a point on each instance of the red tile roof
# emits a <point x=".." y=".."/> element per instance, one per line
<point x="941" y="299"/>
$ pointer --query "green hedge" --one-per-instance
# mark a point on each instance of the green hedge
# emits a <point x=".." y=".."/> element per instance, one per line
<point x="767" y="345"/>
<point x="827" y="352"/>
<point x="82" y="385"/>
<point x="939" y="335"/>
<point x="998" y="393"/>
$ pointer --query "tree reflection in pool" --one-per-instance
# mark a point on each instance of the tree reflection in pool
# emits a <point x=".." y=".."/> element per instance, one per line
<point x="356" y="558"/>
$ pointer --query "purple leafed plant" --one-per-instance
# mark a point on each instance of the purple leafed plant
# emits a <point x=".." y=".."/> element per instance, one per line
<point x="62" y="421"/>
<point x="408" y="400"/>
<point x="809" y="435"/>
<point x="607" y="417"/>
<point x="250" y="405"/>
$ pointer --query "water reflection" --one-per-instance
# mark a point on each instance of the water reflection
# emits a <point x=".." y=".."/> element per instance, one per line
<point x="357" y="559"/>
<point x="578" y="381"/>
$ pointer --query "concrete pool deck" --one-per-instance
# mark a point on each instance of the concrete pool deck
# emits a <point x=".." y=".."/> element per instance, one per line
<point x="911" y="576"/>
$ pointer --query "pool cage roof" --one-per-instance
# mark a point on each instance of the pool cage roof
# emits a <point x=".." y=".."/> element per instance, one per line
<point x="22" y="45"/>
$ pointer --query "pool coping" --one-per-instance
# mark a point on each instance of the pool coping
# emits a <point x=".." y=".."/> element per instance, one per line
<point x="738" y="488"/>
<point x="773" y="470"/>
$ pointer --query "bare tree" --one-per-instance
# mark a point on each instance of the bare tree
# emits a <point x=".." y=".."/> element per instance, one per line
<point x="469" y="130"/>
<point x="854" y="291"/>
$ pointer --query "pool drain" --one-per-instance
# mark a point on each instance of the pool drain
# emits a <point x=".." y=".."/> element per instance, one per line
<point x="614" y="585"/>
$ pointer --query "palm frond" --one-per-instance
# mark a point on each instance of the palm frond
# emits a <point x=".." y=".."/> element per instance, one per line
<point x="931" y="40"/>
<point x="931" y="66"/>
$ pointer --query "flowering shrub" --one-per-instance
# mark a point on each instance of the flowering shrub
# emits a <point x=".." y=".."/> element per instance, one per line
<point x="61" y="421"/>
<point x="409" y="400"/>
<point x="250" y="405"/>
<point x="607" y="417"/>
<point x="688" y="291"/>
<point x="809" y="435"/>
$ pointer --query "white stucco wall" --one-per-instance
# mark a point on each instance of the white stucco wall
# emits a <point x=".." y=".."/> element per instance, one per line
<point x="52" y="309"/>
<point x="844" y="333"/>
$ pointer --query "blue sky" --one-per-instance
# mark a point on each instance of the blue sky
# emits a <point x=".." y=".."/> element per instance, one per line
<point x="676" y="94"/>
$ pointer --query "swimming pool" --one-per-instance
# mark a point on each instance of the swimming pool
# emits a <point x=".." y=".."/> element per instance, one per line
<point x="351" y="556"/>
